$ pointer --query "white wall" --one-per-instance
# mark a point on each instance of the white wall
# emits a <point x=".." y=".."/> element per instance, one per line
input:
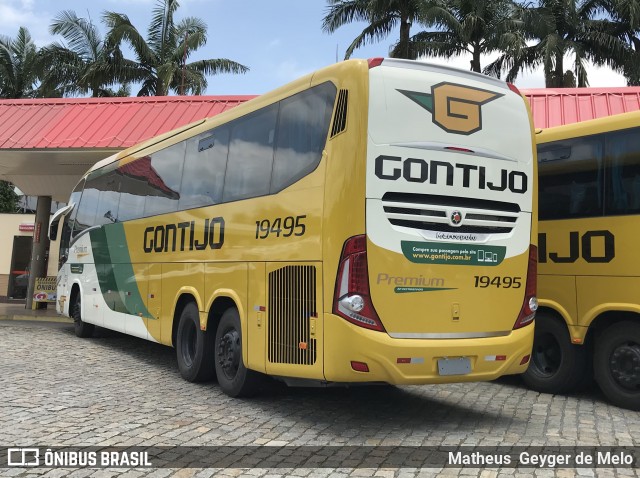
<point x="10" y="227"/>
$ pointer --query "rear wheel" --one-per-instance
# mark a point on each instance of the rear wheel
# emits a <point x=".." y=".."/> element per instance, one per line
<point x="194" y="347"/>
<point x="557" y="365"/>
<point x="234" y="378"/>
<point x="82" y="329"/>
<point x="617" y="364"/>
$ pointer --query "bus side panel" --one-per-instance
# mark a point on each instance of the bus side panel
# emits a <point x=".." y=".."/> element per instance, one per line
<point x="92" y="302"/>
<point x="600" y="294"/>
<point x="559" y="294"/>
<point x="256" y="317"/>
<point x="179" y="279"/>
<point x="344" y="199"/>
<point x="228" y="279"/>
<point x="154" y="301"/>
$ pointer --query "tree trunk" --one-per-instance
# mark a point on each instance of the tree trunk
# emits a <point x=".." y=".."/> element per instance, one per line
<point x="554" y="77"/>
<point x="405" y="50"/>
<point x="475" y="62"/>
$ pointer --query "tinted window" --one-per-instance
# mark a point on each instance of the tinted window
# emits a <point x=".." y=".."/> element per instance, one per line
<point x="133" y="188"/>
<point x="251" y="155"/>
<point x="570" y="178"/>
<point x="164" y="174"/>
<point x="303" y="124"/>
<point x="204" y="169"/>
<point x="623" y="172"/>
<point x="86" y="209"/>
<point x="109" y="197"/>
<point x="75" y="199"/>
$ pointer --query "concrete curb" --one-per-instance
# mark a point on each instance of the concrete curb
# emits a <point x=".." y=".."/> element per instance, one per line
<point x="36" y="318"/>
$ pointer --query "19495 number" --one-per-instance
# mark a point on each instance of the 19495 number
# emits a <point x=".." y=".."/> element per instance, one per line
<point x="285" y="227"/>
<point x="500" y="282"/>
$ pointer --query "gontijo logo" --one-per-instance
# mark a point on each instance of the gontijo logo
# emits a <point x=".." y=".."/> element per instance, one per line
<point x="455" y="108"/>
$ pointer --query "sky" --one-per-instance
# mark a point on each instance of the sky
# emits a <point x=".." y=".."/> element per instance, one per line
<point x="279" y="40"/>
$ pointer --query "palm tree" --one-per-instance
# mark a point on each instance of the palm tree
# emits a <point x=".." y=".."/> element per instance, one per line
<point x="161" y="64"/>
<point x="475" y="27"/>
<point x="89" y="64"/>
<point x="585" y="29"/>
<point x="19" y="66"/>
<point x="382" y="17"/>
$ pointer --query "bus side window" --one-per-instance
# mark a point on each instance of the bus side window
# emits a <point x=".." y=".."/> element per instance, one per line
<point x="109" y="187"/>
<point x="164" y="174"/>
<point x="570" y="181"/>
<point x="623" y="172"/>
<point x="303" y="125"/>
<point x="74" y="199"/>
<point x="87" y="208"/>
<point x="251" y="155"/>
<point x="134" y="187"/>
<point x="205" y="165"/>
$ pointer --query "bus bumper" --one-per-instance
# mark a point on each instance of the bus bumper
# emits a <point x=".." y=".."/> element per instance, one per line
<point x="415" y="361"/>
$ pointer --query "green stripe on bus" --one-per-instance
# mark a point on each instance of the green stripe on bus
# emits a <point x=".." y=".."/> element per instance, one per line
<point x="116" y="277"/>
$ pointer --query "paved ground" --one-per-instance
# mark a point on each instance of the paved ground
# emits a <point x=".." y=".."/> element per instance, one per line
<point x="58" y="390"/>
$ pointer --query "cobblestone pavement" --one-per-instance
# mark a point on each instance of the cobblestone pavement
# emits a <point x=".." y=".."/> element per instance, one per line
<point x="58" y="390"/>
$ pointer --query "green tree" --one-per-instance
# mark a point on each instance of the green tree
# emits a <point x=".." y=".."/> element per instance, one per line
<point x="20" y="69"/>
<point x="8" y="198"/>
<point x="86" y="64"/>
<point x="475" y="27"/>
<point x="585" y="30"/>
<point x="382" y="17"/>
<point x="161" y="60"/>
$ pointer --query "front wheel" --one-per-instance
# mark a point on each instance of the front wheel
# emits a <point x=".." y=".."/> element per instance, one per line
<point x="617" y="364"/>
<point x="557" y="365"/>
<point x="234" y="378"/>
<point x="81" y="329"/>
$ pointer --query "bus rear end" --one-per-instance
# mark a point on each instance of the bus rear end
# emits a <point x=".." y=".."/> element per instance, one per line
<point x="441" y="287"/>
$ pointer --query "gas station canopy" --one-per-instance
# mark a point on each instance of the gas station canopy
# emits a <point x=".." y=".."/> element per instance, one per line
<point x="46" y="145"/>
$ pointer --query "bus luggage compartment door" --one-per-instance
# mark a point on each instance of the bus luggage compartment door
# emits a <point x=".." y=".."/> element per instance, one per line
<point x="294" y="320"/>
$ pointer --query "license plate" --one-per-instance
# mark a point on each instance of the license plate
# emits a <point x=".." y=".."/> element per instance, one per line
<point x="454" y="366"/>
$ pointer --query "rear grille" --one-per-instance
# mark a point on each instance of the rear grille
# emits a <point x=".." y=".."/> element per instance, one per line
<point x="340" y="118"/>
<point x="292" y="303"/>
<point x="428" y="212"/>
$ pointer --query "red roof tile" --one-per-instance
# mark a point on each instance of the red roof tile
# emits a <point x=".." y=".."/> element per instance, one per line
<point x="101" y="122"/>
<point x="558" y="106"/>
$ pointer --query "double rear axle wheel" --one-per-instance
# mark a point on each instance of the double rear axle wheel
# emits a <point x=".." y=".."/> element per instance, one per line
<point x="203" y="355"/>
<point x="558" y="366"/>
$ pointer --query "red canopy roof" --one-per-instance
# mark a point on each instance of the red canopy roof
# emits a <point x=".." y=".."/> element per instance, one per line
<point x="558" y="106"/>
<point x="101" y="122"/>
<point x="71" y="123"/>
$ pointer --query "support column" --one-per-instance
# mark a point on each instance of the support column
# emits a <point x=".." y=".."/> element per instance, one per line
<point x="40" y="248"/>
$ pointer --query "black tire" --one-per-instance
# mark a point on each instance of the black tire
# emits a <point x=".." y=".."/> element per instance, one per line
<point x="234" y="378"/>
<point x="194" y="347"/>
<point x="616" y="363"/>
<point x="557" y="365"/>
<point x="82" y="329"/>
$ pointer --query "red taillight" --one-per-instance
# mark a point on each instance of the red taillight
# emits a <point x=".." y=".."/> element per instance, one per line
<point x="352" y="299"/>
<point x="513" y="88"/>
<point x="530" y="303"/>
<point x="373" y="62"/>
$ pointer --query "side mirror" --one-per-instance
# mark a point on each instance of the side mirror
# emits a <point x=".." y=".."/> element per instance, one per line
<point x="55" y="221"/>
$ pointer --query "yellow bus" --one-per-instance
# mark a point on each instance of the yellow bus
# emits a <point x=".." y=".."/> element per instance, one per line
<point x="369" y="222"/>
<point x="589" y="273"/>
